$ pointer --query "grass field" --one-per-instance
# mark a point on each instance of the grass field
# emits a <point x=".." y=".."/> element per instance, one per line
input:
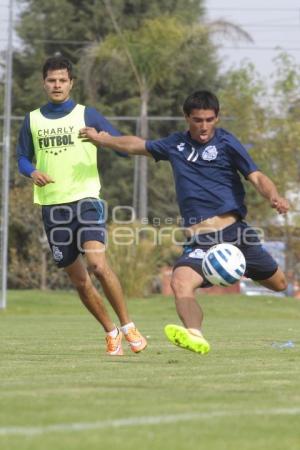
<point x="60" y="392"/>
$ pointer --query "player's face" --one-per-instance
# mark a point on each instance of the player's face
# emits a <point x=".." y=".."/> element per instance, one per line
<point x="202" y="124"/>
<point x="58" y="85"/>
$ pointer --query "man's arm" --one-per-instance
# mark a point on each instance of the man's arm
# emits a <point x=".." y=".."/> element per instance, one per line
<point x="25" y="153"/>
<point x="94" y="119"/>
<point x="267" y="189"/>
<point x="127" y="144"/>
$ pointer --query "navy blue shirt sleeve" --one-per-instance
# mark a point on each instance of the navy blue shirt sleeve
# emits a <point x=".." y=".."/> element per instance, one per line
<point x="25" y="149"/>
<point x="159" y="148"/>
<point x="94" y="119"/>
<point x="241" y="158"/>
<point x="25" y="166"/>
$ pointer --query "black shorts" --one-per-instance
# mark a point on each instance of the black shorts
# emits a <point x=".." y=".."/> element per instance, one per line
<point x="69" y="225"/>
<point x="260" y="265"/>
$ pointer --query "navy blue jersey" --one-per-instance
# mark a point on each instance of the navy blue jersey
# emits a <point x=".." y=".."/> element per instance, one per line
<point x="25" y="149"/>
<point x="206" y="175"/>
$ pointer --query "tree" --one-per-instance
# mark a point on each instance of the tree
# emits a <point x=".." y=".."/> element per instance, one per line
<point x="42" y="28"/>
<point x="283" y="145"/>
<point x="43" y="31"/>
<point x="244" y="113"/>
<point x="165" y="43"/>
<point x="155" y="44"/>
<point x="268" y="121"/>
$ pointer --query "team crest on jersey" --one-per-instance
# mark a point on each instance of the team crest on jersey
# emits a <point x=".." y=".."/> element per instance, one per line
<point x="210" y="153"/>
<point x="57" y="253"/>
<point x="198" y="253"/>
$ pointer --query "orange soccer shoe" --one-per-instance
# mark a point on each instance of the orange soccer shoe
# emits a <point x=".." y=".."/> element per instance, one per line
<point x="114" y="345"/>
<point x="136" y="341"/>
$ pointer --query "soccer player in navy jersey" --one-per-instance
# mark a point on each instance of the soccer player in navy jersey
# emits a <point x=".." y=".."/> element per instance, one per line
<point x="207" y="163"/>
<point x="66" y="184"/>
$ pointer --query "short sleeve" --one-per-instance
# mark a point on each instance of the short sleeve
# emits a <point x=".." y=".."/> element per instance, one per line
<point x="160" y="148"/>
<point x="241" y="158"/>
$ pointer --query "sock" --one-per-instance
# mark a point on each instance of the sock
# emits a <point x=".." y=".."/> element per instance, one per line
<point x="125" y="328"/>
<point x="195" y="331"/>
<point x="114" y="333"/>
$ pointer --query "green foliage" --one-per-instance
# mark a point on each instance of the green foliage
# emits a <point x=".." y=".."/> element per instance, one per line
<point x="110" y="87"/>
<point x="287" y="82"/>
<point x="23" y="250"/>
<point x="285" y="123"/>
<point x="137" y="252"/>
<point x="174" y="55"/>
<point x="244" y="114"/>
<point x="132" y="57"/>
<point x="269" y="122"/>
<point x="162" y="195"/>
<point x="68" y="27"/>
<point x="241" y="97"/>
<point x="166" y="54"/>
<point x="134" y="259"/>
<point x="158" y="43"/>
<point x="27" y="252"/>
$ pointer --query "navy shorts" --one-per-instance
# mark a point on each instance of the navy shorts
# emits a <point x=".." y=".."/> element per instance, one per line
<point x="259" y="263"/>
<point x="69" y="225"/>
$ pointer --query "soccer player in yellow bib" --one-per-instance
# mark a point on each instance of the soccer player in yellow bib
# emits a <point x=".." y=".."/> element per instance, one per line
<point x="66" y="185"/>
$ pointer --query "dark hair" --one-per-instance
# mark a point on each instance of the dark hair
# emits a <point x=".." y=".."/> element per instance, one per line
<point x="57" y="63"/>
<point x="201" y="100"/>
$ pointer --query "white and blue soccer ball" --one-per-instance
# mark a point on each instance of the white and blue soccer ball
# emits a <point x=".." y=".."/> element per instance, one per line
<point x="223" y="264"/>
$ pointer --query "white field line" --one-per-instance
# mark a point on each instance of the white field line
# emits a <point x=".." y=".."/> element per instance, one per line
<point x="146" y="420"/>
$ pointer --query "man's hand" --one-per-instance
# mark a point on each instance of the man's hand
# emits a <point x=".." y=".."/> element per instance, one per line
<point x="93" y="136"/>
<point x="280" y="204"/>
<point x="40" y="178"/>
